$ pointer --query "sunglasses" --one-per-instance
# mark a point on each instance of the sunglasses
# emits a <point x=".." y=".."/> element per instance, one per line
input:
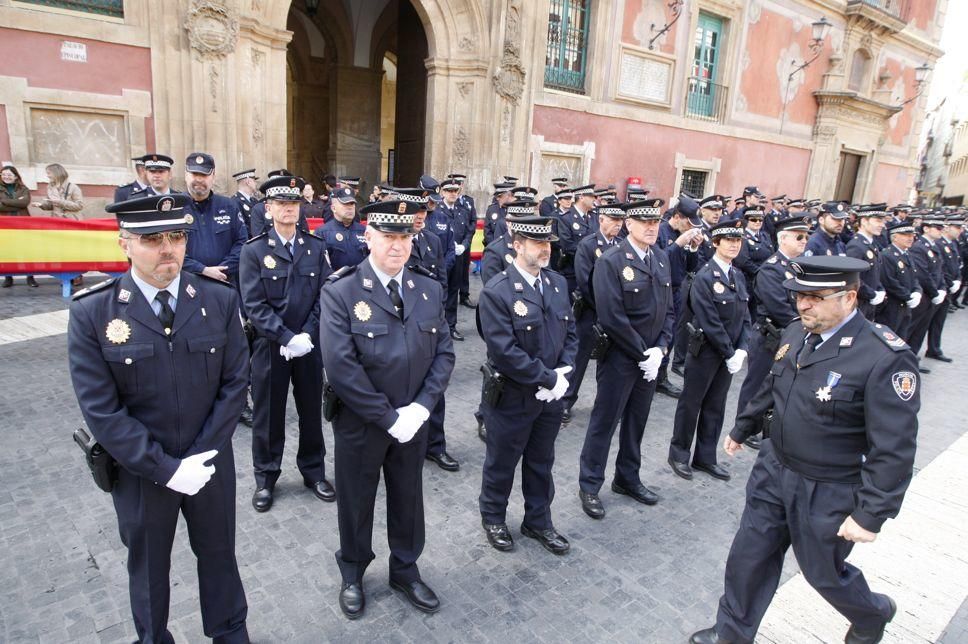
<point x="156" y="240"/>
<point x="754" y="220"/>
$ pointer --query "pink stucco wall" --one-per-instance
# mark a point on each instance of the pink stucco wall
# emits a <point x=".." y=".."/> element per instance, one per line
<point x="626" y="148"/>
<point x="892" y="184"/>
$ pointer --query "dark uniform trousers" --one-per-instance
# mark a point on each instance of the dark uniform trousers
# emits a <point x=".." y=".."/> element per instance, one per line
<point x="584" y="324"/>
<point x="702" y="407"/>
<point x="759" y="361"/>
<point x="525" y="346"/>
<point x="785" y="508"/>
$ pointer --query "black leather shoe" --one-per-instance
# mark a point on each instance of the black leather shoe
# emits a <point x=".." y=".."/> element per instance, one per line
<point x="753" y="442"/>
<point x="707" y="636"/>
<point x="566" y="416"/>
<point x="592" y="505"/>
<point x="481" y="430"/>
<point x="7" y="282"/>
<point x="444" y="461"/>
<point x="246" y="417"/>
<point x="322" y="489"/>
<point x="681" y="469"/>
<point x="456" y="335"/>
<point x="923" y="369"/>
<point x="549" y="539"/>
<point x="638" y="492"/>
<point x="32" y="282"/>
<point x="262" y="499"/>
<point x="352" y="601"/>
<point x="870" y="636"/>
<point x="665" y="386"/>
<point x="715" y="470"/>
<point x="677" y="369"/>
<point x="419" y="594"/>
<point x="468" y="302"/>
<point x="499" y="536"/>
<point x="939" y="357"/>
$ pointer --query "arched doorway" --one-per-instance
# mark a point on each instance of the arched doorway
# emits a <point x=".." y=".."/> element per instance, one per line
<point x="346" y="62"/>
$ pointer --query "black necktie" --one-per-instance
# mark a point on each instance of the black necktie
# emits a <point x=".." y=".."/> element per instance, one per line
<point x="167" y="315"/>
<point x="289" y="248"/>
<point x="812" y="341"/>
<point x="395" y="298"/>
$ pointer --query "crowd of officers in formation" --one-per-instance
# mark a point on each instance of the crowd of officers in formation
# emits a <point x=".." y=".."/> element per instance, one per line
<point x="162" y="366"/>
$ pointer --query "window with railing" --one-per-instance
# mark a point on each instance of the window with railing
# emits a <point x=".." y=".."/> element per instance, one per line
<point x="566" y="58"/>
<point x="113" y="8"/>
<point x="897" y="8"/>
<point x="706" y="99"/>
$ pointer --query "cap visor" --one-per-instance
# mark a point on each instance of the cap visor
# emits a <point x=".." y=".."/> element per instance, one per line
<point x="197" y="169"/>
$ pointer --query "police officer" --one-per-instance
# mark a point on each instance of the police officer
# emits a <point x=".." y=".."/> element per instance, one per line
<point x="385" y="345"/>
<point x="929" y="265"/>
<point x="633" y="298"/>
<point x="953" y="233"/>
<point x="495" y="214"/>
<point x="158" y="171"/>
<point x="281" y="273"/>
<point x="751" y="199"/>
<point x="899" y="278"/>
<point x="261" y="223"/>
<point x="549" y="205"/>
<point x="245" y="199"/>
<point x="573" y="226"/>
<point x="217" y="230"/>
<point x="719" y="301"/>
<point x="439" y="224"/>
<point x="863" y="246"/>
<point x="825" y="240"/>
<point x="465" y="204"/>
<point x="611" y="218"/>
<point x="951" y="268"/>
<point x="529" y="330"/>
<point x="565" y="199"/>
<point x="462" y="228"/>
<point x="757" y="246"/>
<point x="775" y="309"/>
<point x="845" y="398"/>
<point x="125" y="190"/>
<point x="159" y="365"/>
<point x="343" y="234"/>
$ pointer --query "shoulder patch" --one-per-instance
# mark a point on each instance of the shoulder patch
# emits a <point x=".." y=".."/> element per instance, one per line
<point x="888" y="337"/>
<point x="100" y="286"/>
<point x="260" y="236"/>
<point x="772" y="260"/>
<point x="343" y="272"/>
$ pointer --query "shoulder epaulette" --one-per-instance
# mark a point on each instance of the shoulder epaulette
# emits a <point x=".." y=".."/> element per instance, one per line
<point x="314" y="235"/>
<point x="259" y="236"/>
<point x="343" y="272"/>
<point x="100" y="286"/>
<point x="888" y="337"/>
<point x="420" y="270"/>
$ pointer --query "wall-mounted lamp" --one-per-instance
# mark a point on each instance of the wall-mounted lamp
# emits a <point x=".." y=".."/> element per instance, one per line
<point x="676" y="6"/>
<point x="920" y="76"/>
<point x="820" y="29"/>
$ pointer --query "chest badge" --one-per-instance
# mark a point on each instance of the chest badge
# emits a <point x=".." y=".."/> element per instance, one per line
<point x="576" y="226"/>
<point x="509" y="259"/>
<point x="269" y="261"/>
<point x="598" y="252"/>
<point x="788" y="275"/>
<point x="628" y="274"/>
<point x="870" y="254"/>
<point x="189" y="219"/>
<point x="493" y="216"/>
<point x="339" y="236"/>
<point x="782" y="351"/>
<point x="900" y="264"/>
<point x="520" y="308"/>
<point x="823" y="394"/>
<point x="931" y="254"/>
<point x="718" y="288"/>
<point x="362" y="311"/>
<point x="118" y="331"/>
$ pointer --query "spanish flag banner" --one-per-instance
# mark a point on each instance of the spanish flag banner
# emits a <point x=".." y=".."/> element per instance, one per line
<point x="45" y="245"/>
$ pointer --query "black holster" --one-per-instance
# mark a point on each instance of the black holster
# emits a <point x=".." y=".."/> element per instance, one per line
<point x="331" y="402"/>
<point x="103" y="467"/>
<point x="771" y="335"/>
<point x="493" y="385"/>
<point x="601" y="344"/>
<point x="764" y="423"/>
<point x="696" y="339"/>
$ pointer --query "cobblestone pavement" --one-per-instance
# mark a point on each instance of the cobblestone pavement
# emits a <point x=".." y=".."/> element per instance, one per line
<point x="644" y="574"/>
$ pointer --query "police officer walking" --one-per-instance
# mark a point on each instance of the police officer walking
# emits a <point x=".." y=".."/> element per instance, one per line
<point x="929" y="264"/>
<point x="159" y="365"/>
<point x="281" y="273"/>
<point x="840" y="455"/>
<point x="899" y="278"/>
<point x="719" y="301"/>
<point x="343" y="234"/>
<point x="633" y="299"/>
<point x="863" y="246"/>
<point x="530" y="335"/>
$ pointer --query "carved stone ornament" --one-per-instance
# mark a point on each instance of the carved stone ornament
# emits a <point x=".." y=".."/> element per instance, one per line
<point x="460" y="145"/>
<point x="509" y="80"/>
<point x="212" y="30"/>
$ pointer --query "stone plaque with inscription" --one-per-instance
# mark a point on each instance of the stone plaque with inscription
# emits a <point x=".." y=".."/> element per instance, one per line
<point x="78" y="138"/>
<point x="643" y="78"/>
<point x="560" y="165"/>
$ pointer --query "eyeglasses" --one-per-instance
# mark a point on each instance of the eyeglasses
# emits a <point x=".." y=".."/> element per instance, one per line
<point x="755" y="220"/>
<point x="816" y="299"/>
<point x="800" y="237"/>
<point x="156" y="240"/>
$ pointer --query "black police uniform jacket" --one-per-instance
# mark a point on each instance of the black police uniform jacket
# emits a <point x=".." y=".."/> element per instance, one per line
<point x="859" y="247"/>
<point x="589" y="250"/>
<point x="720" y="307"/>
<point x="245" y="205"/>
<point x="528" y="335"/>
<point x="773" y="300"/>
<point x="494" y="224"/>
<point x="124" y="192"/>
<point x="149" y="398"/>
<point x="345" y="245"/>
<point x="461" y="223"/>
<point x="820" y="243"/>
<point x="217" y="234"/>
<point x="951" y="256"/>
<point x="682" y="260"/>
<point x="428" y="253"/>
<point x="930" y="270"/>
<point x="375" y="362"/>
<point x="899" y="279"/>
<point x="572" y="228"/>
<point x="497" y="256"/>
<point x="847" y="414"/>
<point x="633" y="303"/>
<point x="280" y="294"/>
<point x="259" y="223"/>
<point x="756" y="249"/>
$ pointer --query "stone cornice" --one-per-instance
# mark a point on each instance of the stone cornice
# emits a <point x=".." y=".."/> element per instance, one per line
<point x="866" y="109"/>
<point x="258" y="32"/>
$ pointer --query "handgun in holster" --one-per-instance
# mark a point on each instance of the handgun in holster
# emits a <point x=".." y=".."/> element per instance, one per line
<point x="578" y="303"/>
<point x="771" y="335"/>
<point x="764" y="423"/>
<point x="103" y="467"/>
<point x="331" y="402"/>
<point x="493" y="385"/>
<point x="565" y="261"/>
<point x="601" y="343"/>
<point x="696" y="339"/>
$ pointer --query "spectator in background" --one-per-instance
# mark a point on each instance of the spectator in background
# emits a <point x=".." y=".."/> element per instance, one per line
<point x="14" y="199"/>
<point x="64" y="199"/>
<point x="311" y="207"/>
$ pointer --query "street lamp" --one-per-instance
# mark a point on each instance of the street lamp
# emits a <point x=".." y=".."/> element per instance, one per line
<point x="920" y="75"/>
<point x="676" y="7"/>
<point x="819" y="31"/>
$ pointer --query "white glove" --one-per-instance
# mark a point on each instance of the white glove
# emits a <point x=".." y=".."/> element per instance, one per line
<point x="878" y="297"/>
<point x="939" y="298"/>
<point x="650" y="366"/>
<point x="914" y="300"/>
<point x="561" y="385"/>
<point x="192" y="473"/>
<point x="955" y="287"/>
<point x="544" y="395"/>
<point x="735" y="362"/>
<point x="409" y="421"/>
<point x="459" y="249"/>
<point x="300" y="345"/>
<point x="285" y="353"/>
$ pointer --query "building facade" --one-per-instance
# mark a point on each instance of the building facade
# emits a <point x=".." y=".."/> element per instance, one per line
<point x="944" y="154"/>
<point x="701" y="95"/>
